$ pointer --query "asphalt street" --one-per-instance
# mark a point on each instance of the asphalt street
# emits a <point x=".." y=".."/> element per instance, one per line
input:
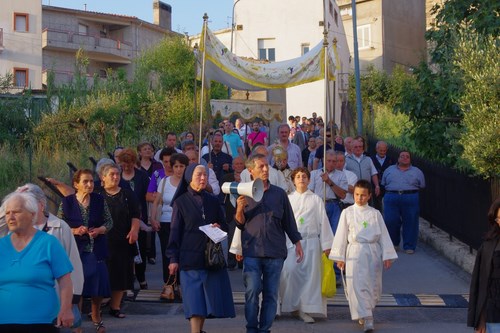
<point x="423" y="292"/>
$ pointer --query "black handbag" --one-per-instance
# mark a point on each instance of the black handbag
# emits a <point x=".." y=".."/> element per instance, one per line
<point x="214" y="256"/>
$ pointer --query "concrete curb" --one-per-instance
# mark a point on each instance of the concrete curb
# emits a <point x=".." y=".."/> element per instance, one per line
<point x="455" y="251"/>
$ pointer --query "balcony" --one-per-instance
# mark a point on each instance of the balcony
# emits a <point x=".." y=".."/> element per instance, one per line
<point x="66" y="77"/>
<point x="1" y="40"/>
<point x="96" y="48"/>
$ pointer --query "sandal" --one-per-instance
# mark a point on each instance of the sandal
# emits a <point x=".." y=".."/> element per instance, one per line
<point x="99" y="327"/>
<point x="116" y="313"/>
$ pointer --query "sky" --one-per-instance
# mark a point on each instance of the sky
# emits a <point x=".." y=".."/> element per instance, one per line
<point x="187" y="15"/>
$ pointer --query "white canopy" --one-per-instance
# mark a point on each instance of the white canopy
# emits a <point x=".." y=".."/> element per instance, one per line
<point x="223" y="66"/>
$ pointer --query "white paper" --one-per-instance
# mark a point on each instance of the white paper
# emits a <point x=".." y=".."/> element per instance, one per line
<point x="214" y="233"/>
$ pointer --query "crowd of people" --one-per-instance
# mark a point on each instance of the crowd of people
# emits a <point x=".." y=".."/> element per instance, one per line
<point x="323" y="195"/>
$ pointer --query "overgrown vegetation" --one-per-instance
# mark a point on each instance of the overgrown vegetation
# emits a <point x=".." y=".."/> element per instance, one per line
<point x="448" y="107"/>
<point x="90" y="119"/>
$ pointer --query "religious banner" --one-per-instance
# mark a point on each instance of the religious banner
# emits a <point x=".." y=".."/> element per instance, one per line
<point x="223" y="66"/>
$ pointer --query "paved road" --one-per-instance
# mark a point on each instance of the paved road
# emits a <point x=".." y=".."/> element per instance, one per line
<point x="422" y="293"/>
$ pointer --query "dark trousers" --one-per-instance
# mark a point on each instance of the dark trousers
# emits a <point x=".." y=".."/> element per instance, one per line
<point x="140" y="269"/>
<point x="164" y="234"/>
<point x="151" y="244"/>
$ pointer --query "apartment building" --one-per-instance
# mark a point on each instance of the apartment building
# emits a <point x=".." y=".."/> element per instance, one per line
<point x="109" y="41"/>
<point x="36" y="39"/>
<point x="390" y="32"/>
<point x="20" y="38"/>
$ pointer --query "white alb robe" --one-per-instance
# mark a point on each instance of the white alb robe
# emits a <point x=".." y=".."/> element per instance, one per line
<point x="300" y="283"/>
<point x="363" y="243"/>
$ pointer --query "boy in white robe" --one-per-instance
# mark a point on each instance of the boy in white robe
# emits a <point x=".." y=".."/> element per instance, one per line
<point x="361" y="247"/>
<point x="300" y="284"/>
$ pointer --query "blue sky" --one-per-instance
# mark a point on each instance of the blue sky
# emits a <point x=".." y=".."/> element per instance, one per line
<point x="187" y="15"/>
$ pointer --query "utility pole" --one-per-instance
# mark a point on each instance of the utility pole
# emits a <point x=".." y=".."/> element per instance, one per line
<point x="359" y="107"/>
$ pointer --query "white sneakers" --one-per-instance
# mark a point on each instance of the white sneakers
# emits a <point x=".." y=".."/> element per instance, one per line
<point x="303" y="316"/>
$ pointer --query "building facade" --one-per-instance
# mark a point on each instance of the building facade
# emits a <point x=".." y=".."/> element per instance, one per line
<point x="20" y="37"/>
<point x="108" y="41"/>
<point x="390" y="32"/>
<point x="37" y="39"/>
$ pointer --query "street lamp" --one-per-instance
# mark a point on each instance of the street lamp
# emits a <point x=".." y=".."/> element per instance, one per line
<point x="231" y="47"/>
<point x="232" y="25"/>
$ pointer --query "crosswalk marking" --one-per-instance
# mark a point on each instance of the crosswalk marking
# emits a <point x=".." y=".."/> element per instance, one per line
<point x="386" y="300"/>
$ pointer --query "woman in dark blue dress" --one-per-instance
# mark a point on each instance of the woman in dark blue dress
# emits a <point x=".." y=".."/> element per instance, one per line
<point x="90" y="220"/>
<point x="206" y="293"/>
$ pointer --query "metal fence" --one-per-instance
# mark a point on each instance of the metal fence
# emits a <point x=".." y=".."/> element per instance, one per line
<point x="452" y="200"/>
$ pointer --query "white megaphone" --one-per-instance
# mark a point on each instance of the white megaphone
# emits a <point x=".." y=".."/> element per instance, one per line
<point x="254" y="190"/>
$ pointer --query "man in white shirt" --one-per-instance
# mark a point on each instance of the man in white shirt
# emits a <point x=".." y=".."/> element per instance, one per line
<point x="170" y="142"/>
<point x="294" y="152"/>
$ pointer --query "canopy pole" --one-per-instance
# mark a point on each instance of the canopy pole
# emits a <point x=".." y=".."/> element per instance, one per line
<point x="325" y="55"/>
<point x="202" y="104"/>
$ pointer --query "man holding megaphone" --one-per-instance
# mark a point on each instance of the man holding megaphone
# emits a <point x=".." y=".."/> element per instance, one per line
<point x="263" y="227"/>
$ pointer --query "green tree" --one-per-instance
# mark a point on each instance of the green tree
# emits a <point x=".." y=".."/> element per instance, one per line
<point x="479" y="59"/>
<point x="431" y="98"/>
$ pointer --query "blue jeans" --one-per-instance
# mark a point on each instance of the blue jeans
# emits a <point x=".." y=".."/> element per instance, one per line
<point x="492" y="327"/>
<point x="402" y="210"/>
<point x="333" y="212"/>
<point x="261" y="275"/>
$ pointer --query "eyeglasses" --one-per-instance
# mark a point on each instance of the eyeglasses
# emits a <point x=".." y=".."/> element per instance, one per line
<point x="497" y="219"/>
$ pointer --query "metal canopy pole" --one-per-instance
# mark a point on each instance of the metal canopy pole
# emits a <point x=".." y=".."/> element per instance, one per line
<point x="202" y="104"/>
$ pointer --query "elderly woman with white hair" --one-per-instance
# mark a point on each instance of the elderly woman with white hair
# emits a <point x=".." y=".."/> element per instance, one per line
<point x="31" y="262"/>
<point x="56" y="227"/>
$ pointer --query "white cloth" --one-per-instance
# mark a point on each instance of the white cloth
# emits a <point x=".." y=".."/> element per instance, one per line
<point x="168" y="194"/>
<point x="287" y="173"/>
<point x="243" y="134"/>
<point x="62" y="231"/>
<point x="363" y="243"/>
<point x="275" y="177"/>
<point x="300" y="284"/>
<point x="212" y="180"/>
<point x="351" y="180"/>
<point x="228" y="69"/>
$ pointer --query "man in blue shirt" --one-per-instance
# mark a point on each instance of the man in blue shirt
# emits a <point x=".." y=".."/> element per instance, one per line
<point x="263" y="226"/>
<point x="402" y="184"/>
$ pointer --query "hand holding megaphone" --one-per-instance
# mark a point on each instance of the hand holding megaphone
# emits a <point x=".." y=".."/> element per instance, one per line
<point x="254" y="190"/>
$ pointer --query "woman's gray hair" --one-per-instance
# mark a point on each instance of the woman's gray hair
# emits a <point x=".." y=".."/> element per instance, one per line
<point x="36" y="191"/>
<point x="29" y="201"/>
<point x="103" y="162"/>
<point x="106" y="167"/>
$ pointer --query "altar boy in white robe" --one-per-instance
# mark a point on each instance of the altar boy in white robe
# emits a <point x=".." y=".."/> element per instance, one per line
<point x="361" y="247"/>
<point x="300" y="284"/>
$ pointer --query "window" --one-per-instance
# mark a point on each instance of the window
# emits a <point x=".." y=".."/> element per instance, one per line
<point x="330" y="8"/>
<point x="364" y="36"/>
<point x="267" y="50"/>
<point x="83" y="29"/>
<point x="21" y="22"/>
<point x="304" y="48"/>
<point x="21" y="77"/>
<point x="336" y="18"/>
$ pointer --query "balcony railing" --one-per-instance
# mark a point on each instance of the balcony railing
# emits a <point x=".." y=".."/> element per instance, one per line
<point x="62" y="77"/>
<point x="95" y="46"/>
